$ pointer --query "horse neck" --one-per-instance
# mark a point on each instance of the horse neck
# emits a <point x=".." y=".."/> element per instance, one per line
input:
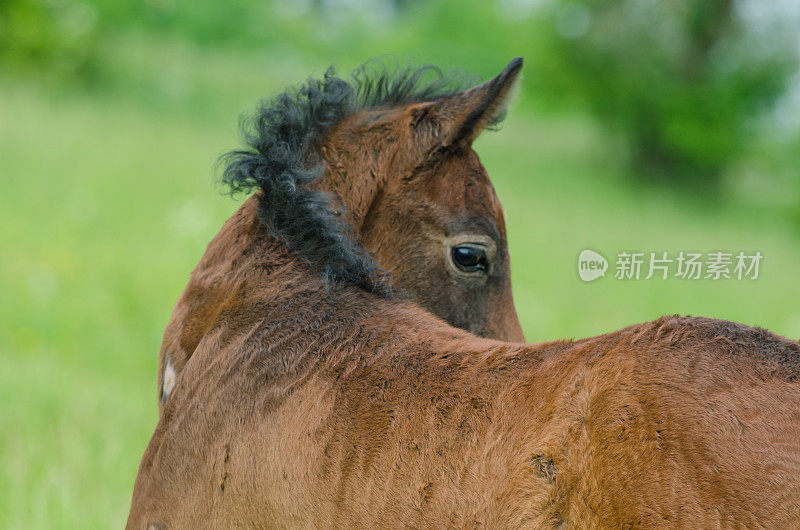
<point x="246" y="278"/>
<point x="211" y="285"/>
<point x="242" y="267"/>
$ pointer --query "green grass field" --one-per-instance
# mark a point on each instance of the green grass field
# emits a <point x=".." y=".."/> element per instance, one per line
<point x="108" y="201"/>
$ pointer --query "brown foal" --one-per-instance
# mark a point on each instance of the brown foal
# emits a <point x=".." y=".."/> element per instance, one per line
<point x="318" y="398"/>
<point x="441" y="236"/>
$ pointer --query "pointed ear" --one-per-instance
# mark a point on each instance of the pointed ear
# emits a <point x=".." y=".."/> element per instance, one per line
<point x="460" y="118"/>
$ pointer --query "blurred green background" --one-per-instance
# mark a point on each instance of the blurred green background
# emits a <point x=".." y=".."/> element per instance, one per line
<point x="642" y="125"/>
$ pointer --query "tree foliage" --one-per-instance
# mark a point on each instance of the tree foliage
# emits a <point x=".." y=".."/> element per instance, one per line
<point x="685" y="82"/>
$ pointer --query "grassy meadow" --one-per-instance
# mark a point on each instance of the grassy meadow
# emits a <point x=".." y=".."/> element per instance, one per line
<point x="109" y="197"/>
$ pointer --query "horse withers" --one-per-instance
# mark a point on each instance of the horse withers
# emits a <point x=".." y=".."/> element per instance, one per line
<point x="320" y="399"/>
<point x="440" y="236"/>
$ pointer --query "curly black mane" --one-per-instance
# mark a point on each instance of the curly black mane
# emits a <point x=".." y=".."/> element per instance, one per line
<point x="281" y="137"/>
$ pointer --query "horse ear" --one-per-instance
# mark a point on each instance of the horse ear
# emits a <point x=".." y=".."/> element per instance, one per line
<point x="461" y="117"/>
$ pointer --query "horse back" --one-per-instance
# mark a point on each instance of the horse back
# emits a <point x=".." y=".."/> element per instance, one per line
<point x="680" y="421"/>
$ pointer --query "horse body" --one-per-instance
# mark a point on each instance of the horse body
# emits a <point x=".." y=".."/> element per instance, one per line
<point x="366" y="412"/>
<point x="314" y="397"/>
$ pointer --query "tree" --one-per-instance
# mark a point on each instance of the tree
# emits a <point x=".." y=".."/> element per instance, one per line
<point x="683" y="81"/>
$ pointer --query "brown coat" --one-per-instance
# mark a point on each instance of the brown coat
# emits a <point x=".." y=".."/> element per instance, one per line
<point x="312" y="410"/>
<point x="303" y="406"/>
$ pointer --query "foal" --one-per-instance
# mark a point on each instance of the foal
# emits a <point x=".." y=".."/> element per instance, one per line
<point x="441" y="235"/>
<point x="332" y="404"/>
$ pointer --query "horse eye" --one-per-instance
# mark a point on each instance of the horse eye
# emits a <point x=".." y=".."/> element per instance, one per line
<point x="469" y="258"/>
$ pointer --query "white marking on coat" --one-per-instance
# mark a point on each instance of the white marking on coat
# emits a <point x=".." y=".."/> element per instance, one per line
<point x="169" y="381"/>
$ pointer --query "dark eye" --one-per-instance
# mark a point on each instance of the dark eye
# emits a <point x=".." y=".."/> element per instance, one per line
<point x="469" y="258"/>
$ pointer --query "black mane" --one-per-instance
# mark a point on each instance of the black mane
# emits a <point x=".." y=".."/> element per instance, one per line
<point x="281" y="136"/>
